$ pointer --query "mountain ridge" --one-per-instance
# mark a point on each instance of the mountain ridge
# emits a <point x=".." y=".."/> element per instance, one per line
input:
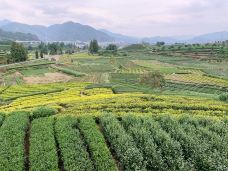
<point x="68" y="31"/>
<point x="4" y="35"/>
<point x="72" y="31"/>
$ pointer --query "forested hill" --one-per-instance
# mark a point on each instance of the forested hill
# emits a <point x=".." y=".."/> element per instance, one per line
<point x="4" y="35"/>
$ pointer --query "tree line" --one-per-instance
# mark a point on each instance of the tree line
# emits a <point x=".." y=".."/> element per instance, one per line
<point x="19" y="53"/>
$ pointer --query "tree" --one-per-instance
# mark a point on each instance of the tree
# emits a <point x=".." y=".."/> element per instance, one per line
<point x="18" y="53"/>
<point x="43" y="48"/>
<point x="111" y="47"/>
<point x="37" y="54"/>
<point x="160" y="43"/>
<point x="41" y="55"/>
<point x="30" y="48"/>
<point x="153" y="79"/>
<point x="53" y="47"/>
<point x="93" y="46"/>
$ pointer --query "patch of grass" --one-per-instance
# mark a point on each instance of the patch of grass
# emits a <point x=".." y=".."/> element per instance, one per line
<point x="33" y="71"/>
<point x="69" y="71"/>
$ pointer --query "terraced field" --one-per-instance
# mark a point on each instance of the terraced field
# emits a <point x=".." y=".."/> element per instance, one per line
<point x="105" y="119"/>
<point x="108" y="142"/>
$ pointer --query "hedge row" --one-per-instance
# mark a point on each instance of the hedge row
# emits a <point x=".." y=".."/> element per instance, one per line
<point x="43" y="111"/>
<point x="123" y="144"/>
<point x="101" y="155"/>
<point x="43" y="154"/>
<point x="69" y="71"/>
<point x="145" y="142"/>
<point x="12" y="135"/>
<point x="198" y="152"/>
<point x="74" y="154"/>
<point x="2" y="117"/>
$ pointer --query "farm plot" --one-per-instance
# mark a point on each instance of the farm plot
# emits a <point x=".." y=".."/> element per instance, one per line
<point x="108" y="142"/>
<point x="165" y="68"/>
<point x="36" y="71"/>
<point x="48" y="78"/>
<point x="73" y="97"/>
<point x="197" y="78"/>
<point x="18" y="91"/>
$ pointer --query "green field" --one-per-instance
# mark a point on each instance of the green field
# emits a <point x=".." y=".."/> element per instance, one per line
<point x="104" y="119"/>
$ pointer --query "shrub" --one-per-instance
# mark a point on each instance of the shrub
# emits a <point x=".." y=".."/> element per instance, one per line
<point x="153" y="79"/>
<point x="144" y="142"/>
<point x="123" y="144"/>
<point x="224" y="97"/>
<point x="69" y="71"/>
<point x="43" y="111"/>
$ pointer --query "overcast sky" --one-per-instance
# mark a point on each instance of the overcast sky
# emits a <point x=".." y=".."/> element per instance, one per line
<point x="131" y="17"/>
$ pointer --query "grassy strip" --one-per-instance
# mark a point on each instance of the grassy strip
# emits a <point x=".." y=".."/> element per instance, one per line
<point x="74" y="154"/>
<point x="122" y="143"/>
<point x="4" y="89"/>
<point x="43" y="155"/>
<point x="69" y="71"/>
<point x="12" y="135"/>
<point x="101" y="155"/>
<point x="23" y="65"/>
<point x="33" y="94"/>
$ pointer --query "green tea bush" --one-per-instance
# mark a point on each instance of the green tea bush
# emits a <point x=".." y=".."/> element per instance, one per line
<point x="213" y="159"/>
<point x="98" y="148"/>
<point x="43" y="111"/>
<point x="74" y="154"/>
<point x="123" y="144"/>
<point x="12" y="134"/>
<point x="171" y="150"/>
<point x="43" y="153"/>
<point x="224" y="97"/>
<point x="70" y="71"/>
<point x="144" y="142"/>
<point x="2" y="116"/>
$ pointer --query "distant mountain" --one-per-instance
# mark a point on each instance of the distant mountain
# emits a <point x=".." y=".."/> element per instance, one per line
<point x="154" y="40"/>
<point x="121" y="38"/>
<point x="24" y="28"/>
<point x="17" y="36"/>
<point x="4" y="22"/>
<point x="210" y="37"/>
<point x="71" y="31"/>
<point x="205" y="38"/>
<point x="68" y="31"/>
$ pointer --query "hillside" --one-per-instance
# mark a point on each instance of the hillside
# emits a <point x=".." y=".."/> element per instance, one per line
<point x="204" y="38"/>
<point x="121" y="38"/>
<point x="5" y="35"/>
<point x="210" y="37"/>
<point x="90" y="112"/>
<point x="68" y="31"/>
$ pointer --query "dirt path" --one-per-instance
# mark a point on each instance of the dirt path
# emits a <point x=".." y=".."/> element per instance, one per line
<point x="48" y="78"/>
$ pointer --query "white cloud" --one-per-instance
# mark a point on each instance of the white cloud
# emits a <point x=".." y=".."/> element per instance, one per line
<point x="131" y="17"/>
